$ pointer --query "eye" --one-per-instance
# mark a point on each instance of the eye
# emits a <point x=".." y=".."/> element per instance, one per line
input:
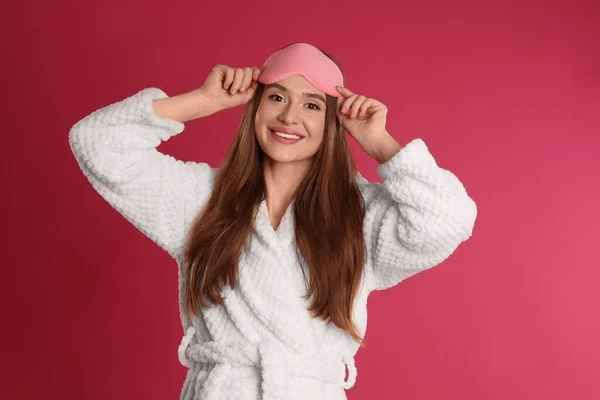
<point x="275" y="95"/>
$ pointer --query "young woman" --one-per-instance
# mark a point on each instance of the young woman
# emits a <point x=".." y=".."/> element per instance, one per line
<point x="278" y="248"/>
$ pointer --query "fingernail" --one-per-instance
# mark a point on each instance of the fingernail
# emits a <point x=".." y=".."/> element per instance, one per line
<point x="242" y="89"/>
<point x="233" y="92"/>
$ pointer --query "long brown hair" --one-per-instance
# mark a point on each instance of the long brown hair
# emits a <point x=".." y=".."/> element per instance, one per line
<point x="327" y="204"/>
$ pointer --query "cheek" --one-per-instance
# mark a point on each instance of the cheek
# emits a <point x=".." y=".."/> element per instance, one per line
<point x="319" y="131"/>
<point x="258" y="123"/>
<point x="262" y="115"/>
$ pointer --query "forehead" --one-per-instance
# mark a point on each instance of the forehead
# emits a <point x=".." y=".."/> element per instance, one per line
<point x="299" y="84"/>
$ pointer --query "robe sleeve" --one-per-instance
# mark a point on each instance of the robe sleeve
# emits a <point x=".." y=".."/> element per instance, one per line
<point x="415" y="219"/>
<point x="115" y="148"/>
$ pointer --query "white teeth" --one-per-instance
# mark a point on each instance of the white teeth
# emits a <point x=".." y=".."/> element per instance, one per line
<point x="288" y="136"/>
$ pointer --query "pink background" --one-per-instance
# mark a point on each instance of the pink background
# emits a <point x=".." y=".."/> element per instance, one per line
<point x="506" y="96"/>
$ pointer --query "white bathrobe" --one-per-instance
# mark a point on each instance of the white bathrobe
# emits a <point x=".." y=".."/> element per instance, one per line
<point x="263" y="343"/>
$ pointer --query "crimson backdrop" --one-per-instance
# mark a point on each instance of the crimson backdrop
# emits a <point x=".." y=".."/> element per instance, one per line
<point x="506" y="97"/>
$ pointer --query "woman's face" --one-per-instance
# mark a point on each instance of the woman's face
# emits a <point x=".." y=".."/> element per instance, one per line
<point x="290" y="120"/>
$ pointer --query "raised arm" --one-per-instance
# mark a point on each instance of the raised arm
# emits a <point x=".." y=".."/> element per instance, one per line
<point x="415" y="219"/>
<point x="116" y="150"/>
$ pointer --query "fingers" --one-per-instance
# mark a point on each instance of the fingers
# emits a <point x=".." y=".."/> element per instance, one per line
<point x="347" y="105"/>
<point x="240" y="79"/>
<point x="358" y="102"/>
<point x="365" y="106"/>
<point x="255" y="73"/>
<point x="247" y="79"/>
<point x="344" y="91"/>
<point x="237" y="80"/>
<point x="229" y="75"/>
<point x="354" y="105"/>
<point x="340" y="102"/>
<point x="346" y="100"/>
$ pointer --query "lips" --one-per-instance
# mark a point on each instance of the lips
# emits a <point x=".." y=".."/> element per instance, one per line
<point x="284" y="140"/>
<point x="286" y="130"/>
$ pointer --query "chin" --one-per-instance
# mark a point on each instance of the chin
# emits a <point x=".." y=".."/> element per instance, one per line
<point x="281" y="156"/>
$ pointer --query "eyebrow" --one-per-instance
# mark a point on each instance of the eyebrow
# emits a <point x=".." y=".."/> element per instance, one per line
<point x="305" y="94"/>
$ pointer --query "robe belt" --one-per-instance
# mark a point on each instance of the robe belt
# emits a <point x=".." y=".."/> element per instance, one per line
<point x="275" y="364"/>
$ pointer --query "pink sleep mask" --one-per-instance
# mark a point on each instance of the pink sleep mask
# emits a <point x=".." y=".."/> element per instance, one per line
<point x="306" y="60"/>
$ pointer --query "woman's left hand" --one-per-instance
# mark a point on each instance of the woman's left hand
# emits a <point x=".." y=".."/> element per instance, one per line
<point x="364" y="118"/>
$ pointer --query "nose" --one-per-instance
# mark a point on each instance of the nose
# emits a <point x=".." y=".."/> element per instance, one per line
<point x="289" y="115"/>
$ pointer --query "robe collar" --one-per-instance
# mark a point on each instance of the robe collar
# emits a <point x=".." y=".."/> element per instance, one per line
<point x="285" y="234"/>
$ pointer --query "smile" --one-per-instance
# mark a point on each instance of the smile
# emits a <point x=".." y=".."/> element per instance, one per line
<point x="287" y="135"/>
<point x="285" y="138"/>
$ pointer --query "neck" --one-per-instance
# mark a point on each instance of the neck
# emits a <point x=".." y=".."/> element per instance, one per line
<point x="282" y="180"/>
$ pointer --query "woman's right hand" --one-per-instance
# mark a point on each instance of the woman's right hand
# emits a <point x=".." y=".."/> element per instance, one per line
<point x="228" y="87"/>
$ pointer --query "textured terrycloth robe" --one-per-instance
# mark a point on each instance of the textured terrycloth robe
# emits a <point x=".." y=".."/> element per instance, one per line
<point x="262" y="342"/>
